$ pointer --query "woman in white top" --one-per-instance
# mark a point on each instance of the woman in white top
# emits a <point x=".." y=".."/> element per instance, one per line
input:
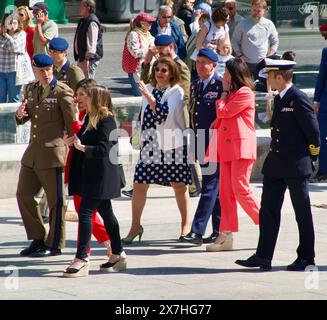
<point x="213" y="30"/>
<point x="12" y="44"/>
<point x="139" y="40"/>
<point x="163" y="154"/>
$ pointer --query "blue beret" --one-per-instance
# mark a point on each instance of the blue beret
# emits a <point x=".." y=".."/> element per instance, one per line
<point x="209" y="53"/>
<point x="58" y="44"/>
<point x="42" y="60"/>
<point x="163" y="40"/>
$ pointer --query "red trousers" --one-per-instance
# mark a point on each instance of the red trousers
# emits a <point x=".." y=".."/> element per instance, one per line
<point x="234" y="187"/>
<point x="98" y="229"/>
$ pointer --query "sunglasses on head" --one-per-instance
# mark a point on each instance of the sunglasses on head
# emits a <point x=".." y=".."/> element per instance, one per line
<point x="162" y="70"/>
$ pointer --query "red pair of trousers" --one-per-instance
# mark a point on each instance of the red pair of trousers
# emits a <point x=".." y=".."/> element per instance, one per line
<point x="234" y="187"/>
<point x="98" y="229"/>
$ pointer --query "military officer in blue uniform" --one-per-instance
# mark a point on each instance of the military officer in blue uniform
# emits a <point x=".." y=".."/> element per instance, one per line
<point x="294" y="146"/>
<point x="49" y="105"/>
<point x="204" y="93"/>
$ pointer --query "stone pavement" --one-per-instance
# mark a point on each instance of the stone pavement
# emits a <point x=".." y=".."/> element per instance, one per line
<point x="161" y="268"/>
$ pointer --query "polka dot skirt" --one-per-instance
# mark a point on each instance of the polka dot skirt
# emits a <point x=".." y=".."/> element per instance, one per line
<point x="156" y="166"/>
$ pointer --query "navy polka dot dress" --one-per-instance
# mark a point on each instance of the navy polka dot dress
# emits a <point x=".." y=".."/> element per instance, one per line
<point x="156" y="166"/>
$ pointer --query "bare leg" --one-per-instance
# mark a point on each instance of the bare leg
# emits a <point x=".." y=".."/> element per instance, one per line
<point x="138" y="202"/>
<point x="182" y="199"/>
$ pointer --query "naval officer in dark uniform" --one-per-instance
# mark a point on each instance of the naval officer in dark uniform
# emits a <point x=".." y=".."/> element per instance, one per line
<point x="49" y="105"/>
<point x="294" y="146"/>
<point x="64" y="71"/>
<point x="204" y="93"/>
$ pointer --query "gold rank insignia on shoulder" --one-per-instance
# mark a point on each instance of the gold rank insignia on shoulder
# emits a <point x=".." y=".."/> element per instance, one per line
<point x="314" y="151"/>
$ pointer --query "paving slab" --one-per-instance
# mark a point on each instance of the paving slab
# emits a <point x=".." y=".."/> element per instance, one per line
<point x="161" y="268"/>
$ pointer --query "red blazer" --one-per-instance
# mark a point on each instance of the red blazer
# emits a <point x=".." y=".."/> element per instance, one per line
<point x="234" y="137"/>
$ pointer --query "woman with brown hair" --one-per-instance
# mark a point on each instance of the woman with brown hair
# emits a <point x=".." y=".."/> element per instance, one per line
<point x="96" y="145"/>
<point x="98" y="228"/>
<point x="12" y="44"/>
<point x="235" y="149"/>
<point x="163" y="156"/>
<point x="26" y="19"/>
<point x="213" y="30"/>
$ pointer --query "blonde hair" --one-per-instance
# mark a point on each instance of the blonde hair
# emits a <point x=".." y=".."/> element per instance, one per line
<point x="101" y="105"/>
<point x="29" y="22"/>
<point x="222" y="41"/>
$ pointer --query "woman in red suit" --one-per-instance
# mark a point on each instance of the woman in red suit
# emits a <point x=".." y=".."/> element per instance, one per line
<point x="98" y="229"/>
<point x="235" y="149"/>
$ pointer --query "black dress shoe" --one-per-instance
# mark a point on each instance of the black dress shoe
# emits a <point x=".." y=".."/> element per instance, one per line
<point x="194" y="238"/>
<point x="128" y="193"/>
<point x="211" y="239"/>
<point x="44" y="251"/>
<point x="35" y="245"/>
<point x="254" y="262"/>
<point x="300" y="265"/>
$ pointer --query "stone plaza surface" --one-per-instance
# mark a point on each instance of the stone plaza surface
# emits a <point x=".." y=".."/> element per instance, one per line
<point x="159" y="267"/>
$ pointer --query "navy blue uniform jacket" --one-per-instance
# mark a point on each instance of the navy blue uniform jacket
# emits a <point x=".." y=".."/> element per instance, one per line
<point x="295" y="137"/>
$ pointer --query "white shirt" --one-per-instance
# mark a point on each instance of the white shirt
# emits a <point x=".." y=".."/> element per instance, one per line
<point x="283" y="92"/>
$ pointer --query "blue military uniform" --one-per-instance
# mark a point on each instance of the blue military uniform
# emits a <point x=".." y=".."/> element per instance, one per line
<point x="202" y="114"/>
<point x="294" y="145"/>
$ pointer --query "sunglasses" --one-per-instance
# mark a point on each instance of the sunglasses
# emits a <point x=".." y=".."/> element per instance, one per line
<point x="21" y="14"/>
<point x="166" y="17"/>
<point x="162" y="70"/>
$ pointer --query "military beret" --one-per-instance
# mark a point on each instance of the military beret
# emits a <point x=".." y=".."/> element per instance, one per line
<point x="209" y="53"/>
<point x="163" y="40"/>
<point x="42" y="60"/>
<point x="58" y="44"/>
<point x="275" y="65"/>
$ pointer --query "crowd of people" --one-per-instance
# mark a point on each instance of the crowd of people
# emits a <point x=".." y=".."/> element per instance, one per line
<point x="196" y="69"/>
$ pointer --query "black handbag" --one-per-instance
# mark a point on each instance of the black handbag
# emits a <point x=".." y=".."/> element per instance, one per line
<point x="121" y="176"/>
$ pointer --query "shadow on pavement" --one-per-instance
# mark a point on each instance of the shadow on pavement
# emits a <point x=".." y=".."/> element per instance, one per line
<point x="11" y="220"/>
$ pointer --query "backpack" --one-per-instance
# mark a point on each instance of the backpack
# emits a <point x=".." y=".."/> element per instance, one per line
<point x="129" y="63"/>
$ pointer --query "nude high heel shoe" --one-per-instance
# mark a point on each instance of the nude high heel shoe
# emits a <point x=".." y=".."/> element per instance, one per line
<point x="224" y="242"/>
